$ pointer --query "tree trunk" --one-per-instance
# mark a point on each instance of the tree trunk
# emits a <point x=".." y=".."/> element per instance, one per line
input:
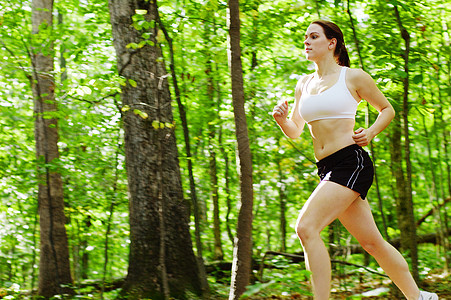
<point x="218" y="253"/>
<point x="411" y="241"/>
<point x="183" y="119"/>
<point x="54" y="266"/>
<point x="212" y="115"/>
<point x="192" y="184"/>
<point x="434" y="194"/>
<point x="369" y="121"/>
<point x="283" y="208"/>
<point x="83" y="246"/>
<point x="161" y="260"/>
<point x="225" y="156"/>
<point x="441" y="144"/>
<point x="407" y="230"/>
<point x="242" y="252"/>
<point x="113" y="199"/>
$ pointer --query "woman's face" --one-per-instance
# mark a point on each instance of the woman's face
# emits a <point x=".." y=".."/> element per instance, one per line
<point x="316" y="43"/>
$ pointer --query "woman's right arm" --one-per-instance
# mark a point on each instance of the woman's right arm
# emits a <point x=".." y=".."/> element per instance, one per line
<point x="292" y="127"/>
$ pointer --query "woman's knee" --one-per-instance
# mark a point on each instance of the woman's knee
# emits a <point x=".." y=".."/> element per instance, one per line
<point x="306" y="231"/>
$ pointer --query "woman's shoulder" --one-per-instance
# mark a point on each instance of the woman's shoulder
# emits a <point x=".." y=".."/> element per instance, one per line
<point x="300" y="84"/>
<point x="358" y="77"/>
<point x="302" y="79"/>
<point x="356" y="73"/>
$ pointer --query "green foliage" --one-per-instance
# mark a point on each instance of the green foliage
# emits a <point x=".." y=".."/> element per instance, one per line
<point x="92" y="159"/>
<point x="285" y="279"/>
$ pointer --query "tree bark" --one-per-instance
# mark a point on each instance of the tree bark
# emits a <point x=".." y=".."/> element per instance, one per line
<point x="161" y="260"/>
<point x="434" y="196"/>
<point x="186" y="136"/>
<point x="369" y="121"/>
<point x="410" y="242"/>
<point x="113" y="199"/>
<point x="283" y="208"/>
<point x="54" y="266"/>
<point x="242" y="251"/>
<point x="225" y="156"/>
<point x="212" y="115"/>
<point x="403" y="205"/>
<point x="218" y="254"/>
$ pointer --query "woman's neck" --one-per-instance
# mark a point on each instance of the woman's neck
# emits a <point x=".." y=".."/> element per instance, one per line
<point x="326" y="67"/>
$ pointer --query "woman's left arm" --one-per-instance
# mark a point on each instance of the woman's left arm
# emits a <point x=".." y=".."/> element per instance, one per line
<point x="366" y="89"/>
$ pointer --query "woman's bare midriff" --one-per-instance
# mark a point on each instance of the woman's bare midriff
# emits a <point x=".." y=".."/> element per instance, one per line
<point x="331" y="135"/>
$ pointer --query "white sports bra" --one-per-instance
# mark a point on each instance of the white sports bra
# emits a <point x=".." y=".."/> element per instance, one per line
<point x="334" y="103"/>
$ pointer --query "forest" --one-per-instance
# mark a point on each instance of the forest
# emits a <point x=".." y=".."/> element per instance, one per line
<point x="140" y="160"/>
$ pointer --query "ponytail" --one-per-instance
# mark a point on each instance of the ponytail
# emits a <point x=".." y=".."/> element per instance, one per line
<point x="343" y="57"/>
<point x="332" y="31"/>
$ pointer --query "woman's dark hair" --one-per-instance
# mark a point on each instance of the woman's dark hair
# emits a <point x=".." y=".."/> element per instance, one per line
<point x="331" y="30"/>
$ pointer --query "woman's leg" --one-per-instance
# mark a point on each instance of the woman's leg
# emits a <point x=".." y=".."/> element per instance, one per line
<point x="327" y="202"/>
<point x="358" y="220"/>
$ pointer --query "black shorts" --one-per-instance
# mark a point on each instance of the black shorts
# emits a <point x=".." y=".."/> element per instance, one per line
<point x="351" y="167"/>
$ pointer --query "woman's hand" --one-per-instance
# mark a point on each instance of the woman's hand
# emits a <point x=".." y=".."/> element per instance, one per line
<point x="280" y="112"/>
<point x="362" y="137"/>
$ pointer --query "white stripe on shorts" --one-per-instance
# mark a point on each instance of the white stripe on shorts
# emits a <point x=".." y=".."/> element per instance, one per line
<point x="357" y="170"/>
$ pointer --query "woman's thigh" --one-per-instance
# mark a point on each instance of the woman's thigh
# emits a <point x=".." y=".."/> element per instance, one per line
<point x="358" y="220"/>
<point x="328" y="201"/>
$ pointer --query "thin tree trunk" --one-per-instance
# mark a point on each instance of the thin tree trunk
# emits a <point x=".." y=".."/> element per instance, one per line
<point x="354" y="34"/>
<point x="440" y="122"/>
<point x="446" y="132"/>
<point x="317" y="9"/>
<point x="54" y="266"/>
<point x="161" y="261"/>
<point x="242" y="252"/>
<point x="217" y="253"/>
<point x="110" y="215"/>
<point x="437" y="117"/>
<point x="369" y="121"/>
<point x="35" y="246"/>
<point x="212" y="114"/>
<point x="225" y="156"/>
<point x="411" y="241"/>
<point x="283" y="208"/>
<point x="192" y="184"/>
<point x="83" y="246"/>
<point x="434" y="195"/>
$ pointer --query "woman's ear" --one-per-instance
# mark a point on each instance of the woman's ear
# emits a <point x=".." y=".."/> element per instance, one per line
<point x="332" y="43"/>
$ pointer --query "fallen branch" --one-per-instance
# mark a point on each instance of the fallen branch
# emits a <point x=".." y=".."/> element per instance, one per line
<point x="431" y="212"/>
<point x="223" y="267"/>
<point x="298" y="258"/>
<point x="432" y="238"/>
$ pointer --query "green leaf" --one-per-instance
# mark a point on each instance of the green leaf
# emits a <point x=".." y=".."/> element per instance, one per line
<point x="137" y="26"/>
<point x="141" y="113"/>
<point x="137" y="17"/>
<point x="132" y="45"/>
<point x="132" y="83"/>
<point x="417" y="78"/>
<point x="254" y="289"/>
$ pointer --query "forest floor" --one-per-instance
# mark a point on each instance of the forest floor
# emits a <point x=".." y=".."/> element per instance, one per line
<point x="344" y="289"/>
